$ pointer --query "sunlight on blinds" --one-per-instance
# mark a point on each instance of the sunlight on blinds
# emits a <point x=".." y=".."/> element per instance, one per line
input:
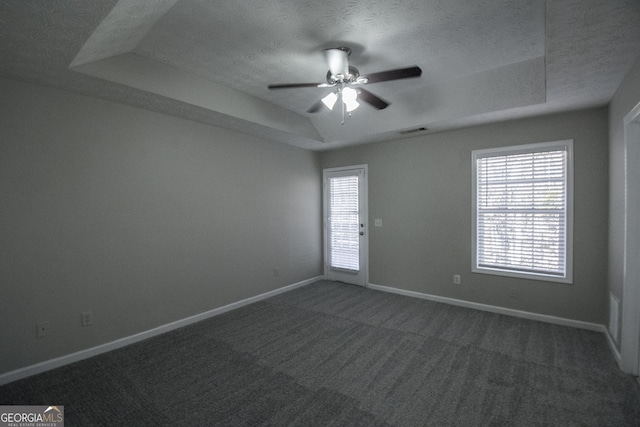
<point x="344" y="223"/>
<point x="521" y="212"/>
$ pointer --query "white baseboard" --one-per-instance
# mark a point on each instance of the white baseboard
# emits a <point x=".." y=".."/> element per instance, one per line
<point x="510" y="312"/>
<point x="47" y="365"/>
<point x="495" y="309"/>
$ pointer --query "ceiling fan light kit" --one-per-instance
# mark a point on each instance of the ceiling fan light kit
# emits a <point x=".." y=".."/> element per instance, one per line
<point x="347" y="96"/>
<point x="342" y="77"/>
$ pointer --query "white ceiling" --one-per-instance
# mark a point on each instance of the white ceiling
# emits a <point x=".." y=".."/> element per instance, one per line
<point x="482" y="60"/>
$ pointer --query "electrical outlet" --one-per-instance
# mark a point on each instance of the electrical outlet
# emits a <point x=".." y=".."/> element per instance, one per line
<point x="377" y="222"/>
<point x="276" y="272"/>
<point x="42" y="329"/>
<point x="513" y="292"/>
<point x="456" y="279"/>
<point x="86" y="318"/>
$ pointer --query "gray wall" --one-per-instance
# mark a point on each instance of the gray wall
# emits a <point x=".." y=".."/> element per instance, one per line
<point x="421" y="189"/>
<point x="142" y="218"/>
<point x="626" y="98"/>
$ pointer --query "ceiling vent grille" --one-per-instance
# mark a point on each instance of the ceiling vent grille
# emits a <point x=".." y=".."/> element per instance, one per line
<point x="416" y="130"/>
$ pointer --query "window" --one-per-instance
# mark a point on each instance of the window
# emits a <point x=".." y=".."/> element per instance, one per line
<point x="522" y="216"/>
<point x="344" y="222"/>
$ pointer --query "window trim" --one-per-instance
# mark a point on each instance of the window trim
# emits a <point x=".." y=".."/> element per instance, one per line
<point x="520" y="149"/>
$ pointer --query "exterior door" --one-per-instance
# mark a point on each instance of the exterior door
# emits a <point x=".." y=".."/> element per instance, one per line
<point x="346" y="239"/>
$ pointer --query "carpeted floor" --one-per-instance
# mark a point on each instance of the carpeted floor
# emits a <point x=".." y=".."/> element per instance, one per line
<point x="335" y="354"/>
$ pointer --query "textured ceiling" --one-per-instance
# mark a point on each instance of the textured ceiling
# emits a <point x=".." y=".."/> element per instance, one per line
<point x="248" y="45"/>
<point x="482" y="60"/>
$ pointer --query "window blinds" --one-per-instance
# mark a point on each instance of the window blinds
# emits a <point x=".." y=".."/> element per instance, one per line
<point x="344" y="223"/>
<point x="522" y="212"/>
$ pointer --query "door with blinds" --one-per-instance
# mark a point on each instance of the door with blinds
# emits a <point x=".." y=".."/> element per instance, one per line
<point x="345" y="224"/>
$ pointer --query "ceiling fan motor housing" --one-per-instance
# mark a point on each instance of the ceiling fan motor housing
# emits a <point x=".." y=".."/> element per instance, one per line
<point x="353" y="77"/>
<point x="339" y="69"/>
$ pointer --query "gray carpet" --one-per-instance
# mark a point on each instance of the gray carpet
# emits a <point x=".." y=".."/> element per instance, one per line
<point x="335" y="354"/>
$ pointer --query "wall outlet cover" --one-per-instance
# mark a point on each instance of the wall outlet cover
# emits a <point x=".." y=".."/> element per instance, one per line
<point x="86" y="318"/>
<point x="42" y="329"/>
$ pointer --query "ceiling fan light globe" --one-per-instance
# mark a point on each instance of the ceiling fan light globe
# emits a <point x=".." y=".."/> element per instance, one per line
<point x="330" y="100"/>
<point x="351" y="105"/>
<point x="349" y="94"/>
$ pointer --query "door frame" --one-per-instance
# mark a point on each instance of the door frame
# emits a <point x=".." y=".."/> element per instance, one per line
<point x="630" y="333"/>
<point x="364" y="219"/>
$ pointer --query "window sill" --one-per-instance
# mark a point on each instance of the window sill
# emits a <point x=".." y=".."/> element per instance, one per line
<point x="520" y="275"/>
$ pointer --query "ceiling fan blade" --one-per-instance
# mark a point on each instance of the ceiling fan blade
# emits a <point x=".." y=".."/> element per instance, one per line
<point x="315" y="107"/>
<point x="295" y="85"/>
<point x="338" y="61"/>
<point x="401" y="73"/>
<point x="374" y="100"/>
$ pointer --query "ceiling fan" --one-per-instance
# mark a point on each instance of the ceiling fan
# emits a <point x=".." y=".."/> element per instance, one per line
<point x="347" y="81"/>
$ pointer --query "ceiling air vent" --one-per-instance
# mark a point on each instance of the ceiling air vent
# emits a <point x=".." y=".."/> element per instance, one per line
<point x="410" y="131"/>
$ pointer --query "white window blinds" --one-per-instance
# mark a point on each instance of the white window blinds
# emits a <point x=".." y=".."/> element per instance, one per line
<point x="522" y="213"/>
<point x="344" y="223"/>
